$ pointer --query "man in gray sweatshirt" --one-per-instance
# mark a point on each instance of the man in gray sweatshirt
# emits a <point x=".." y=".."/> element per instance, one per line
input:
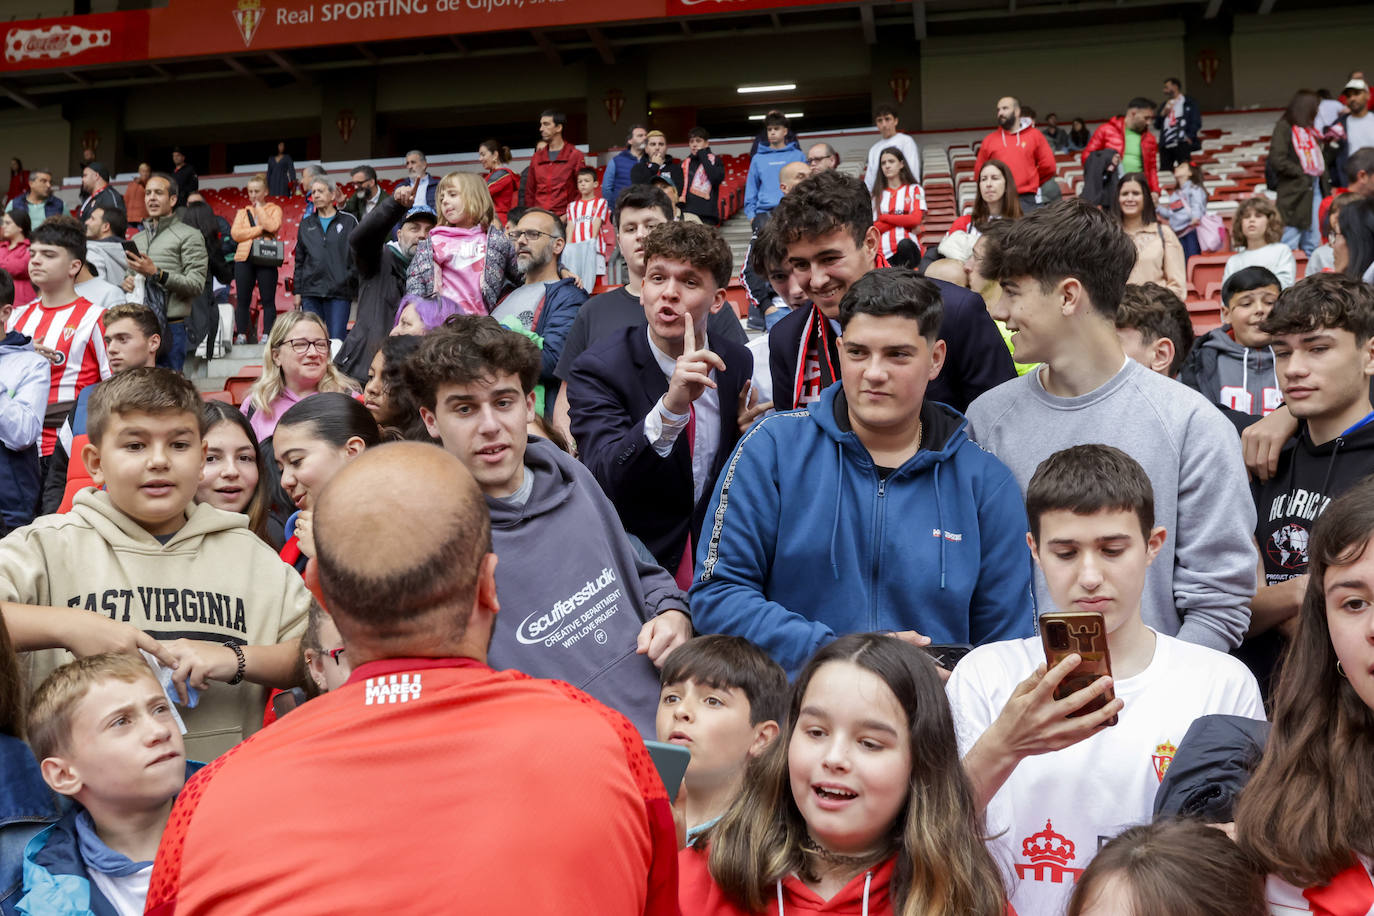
<point x="577" y="603"/>
<point x="1063" y="270"/>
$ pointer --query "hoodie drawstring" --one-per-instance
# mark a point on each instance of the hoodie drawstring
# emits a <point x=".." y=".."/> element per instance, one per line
<point x="868" y="881"/>
<point x="1331" y="465"/>
<point x="1245" y="373"/>
<point x="940" y="519"/>
<point x="835" y="522"/>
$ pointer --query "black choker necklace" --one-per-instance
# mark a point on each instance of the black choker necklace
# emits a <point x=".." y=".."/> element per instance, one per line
<point x="849" y="863"/>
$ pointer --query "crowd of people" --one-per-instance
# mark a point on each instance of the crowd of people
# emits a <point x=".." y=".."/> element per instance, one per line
<point x="970" y="581"/>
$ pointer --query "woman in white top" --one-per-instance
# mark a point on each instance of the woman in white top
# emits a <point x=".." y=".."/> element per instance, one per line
<point x="1158" y="252"/>
<point x="1305" y="818"/>
<point x="1258" y="228"/>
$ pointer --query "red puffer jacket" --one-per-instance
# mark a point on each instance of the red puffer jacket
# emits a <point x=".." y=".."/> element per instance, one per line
<point x="1112" y="135"/>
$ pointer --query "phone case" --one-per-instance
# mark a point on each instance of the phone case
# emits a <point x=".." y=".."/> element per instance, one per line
<point x="1085" y="633"/>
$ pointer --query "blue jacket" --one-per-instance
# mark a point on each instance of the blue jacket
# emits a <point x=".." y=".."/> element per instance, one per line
<point x="806" y="542"/>
<point x="617" y="177"/>
<point x="51" y="207"/>
<point x="762" y="190"/>
<point x="56" y="880"/>
<point x="27" y="807"/>
<point x="561" y="302"/>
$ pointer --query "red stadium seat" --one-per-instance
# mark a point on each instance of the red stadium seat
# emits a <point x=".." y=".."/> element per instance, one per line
<point x="238" y="384"/>
<point x="1206" y="268"/>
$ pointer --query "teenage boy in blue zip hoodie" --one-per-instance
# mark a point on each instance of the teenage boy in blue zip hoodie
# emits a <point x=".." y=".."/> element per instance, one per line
<point x="871" y="509"/>
<point x="762" y="189"/>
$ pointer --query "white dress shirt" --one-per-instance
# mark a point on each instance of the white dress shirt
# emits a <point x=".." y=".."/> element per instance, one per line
<point x="662" y="426"/>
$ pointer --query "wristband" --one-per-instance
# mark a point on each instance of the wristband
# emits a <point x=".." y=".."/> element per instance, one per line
<point x="243" y="663"/>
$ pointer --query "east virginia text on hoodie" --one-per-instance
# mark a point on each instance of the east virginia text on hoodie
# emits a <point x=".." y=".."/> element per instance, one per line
<point x="213" y="580"/>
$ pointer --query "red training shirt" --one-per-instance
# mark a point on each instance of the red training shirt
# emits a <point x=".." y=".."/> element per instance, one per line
<point x="427" y="785"/>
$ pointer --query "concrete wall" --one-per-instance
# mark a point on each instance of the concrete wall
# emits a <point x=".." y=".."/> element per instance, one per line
<point x="1278" y="54"/>
<point x="1075" y="72"/>
<point x="41" y="138"/>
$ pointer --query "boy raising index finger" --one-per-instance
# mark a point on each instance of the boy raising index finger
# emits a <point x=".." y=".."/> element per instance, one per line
<point x="655" y="411"/>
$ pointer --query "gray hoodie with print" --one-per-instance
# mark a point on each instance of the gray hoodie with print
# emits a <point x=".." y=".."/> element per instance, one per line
<point x="573" y="593"/>
<point x="1228" y="373"/>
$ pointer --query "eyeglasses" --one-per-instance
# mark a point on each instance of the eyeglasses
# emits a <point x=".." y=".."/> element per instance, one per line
<point x="303" y="345"/>
<point x="534" y="235"/>
<point x="335" y="653"/>
<point x="816" y="160"/>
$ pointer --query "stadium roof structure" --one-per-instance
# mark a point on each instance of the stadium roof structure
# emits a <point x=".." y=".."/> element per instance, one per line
<point x="277" y="42"/>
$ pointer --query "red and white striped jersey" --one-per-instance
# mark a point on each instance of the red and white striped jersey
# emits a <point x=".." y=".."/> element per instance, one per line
<point x="580" y="215"/>
<point x="907" y="200"/>
<point x="77" y="333"/>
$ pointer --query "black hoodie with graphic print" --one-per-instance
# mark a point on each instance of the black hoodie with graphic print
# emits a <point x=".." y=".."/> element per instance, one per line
<point x="1309" y="476"/>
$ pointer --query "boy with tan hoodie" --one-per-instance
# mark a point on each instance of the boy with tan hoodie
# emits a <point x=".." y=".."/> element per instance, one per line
<point x="138" y="551"/>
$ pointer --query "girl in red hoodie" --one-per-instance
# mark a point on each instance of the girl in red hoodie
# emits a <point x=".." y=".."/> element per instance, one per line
<point x="861" y="806"/>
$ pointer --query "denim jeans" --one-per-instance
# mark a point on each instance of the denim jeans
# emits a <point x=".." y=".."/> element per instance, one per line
<point x="173" y="356"/>
<point x="1308" y="239"/>
<point x="333" y="311"/>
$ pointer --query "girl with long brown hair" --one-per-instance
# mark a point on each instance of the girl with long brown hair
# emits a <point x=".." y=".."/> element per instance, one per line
<point x="861" y="800"/>
<point x="1305" y="818"/>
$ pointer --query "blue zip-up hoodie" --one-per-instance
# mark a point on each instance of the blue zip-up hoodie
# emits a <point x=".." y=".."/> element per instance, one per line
<point x="806" y="541"/>
<point x="762" y="190"/>
<point x="617" y="177"/>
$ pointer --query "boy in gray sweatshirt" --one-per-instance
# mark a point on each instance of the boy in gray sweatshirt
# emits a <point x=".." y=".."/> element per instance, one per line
<point x="1063" y="270"/>
<point x="577" y="603"/>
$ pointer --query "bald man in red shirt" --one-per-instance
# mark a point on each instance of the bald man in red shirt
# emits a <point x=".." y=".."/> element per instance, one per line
<point x="1024" y="150"/>
<point x="428" y="782"/>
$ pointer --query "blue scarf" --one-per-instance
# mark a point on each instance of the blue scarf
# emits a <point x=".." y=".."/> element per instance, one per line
<point x="98" y="856"/>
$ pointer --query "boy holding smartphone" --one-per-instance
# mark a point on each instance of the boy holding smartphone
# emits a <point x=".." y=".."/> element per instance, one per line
<point x="1057" y="781"/>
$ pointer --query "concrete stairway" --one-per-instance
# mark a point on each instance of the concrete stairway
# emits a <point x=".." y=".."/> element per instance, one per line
<point x="737" y="231"/>
<point x="211" y="376"/>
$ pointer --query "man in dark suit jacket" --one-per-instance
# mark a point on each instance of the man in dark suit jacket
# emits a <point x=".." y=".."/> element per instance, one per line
<point x="827" y="263"/>
<point x="654" y="414"/>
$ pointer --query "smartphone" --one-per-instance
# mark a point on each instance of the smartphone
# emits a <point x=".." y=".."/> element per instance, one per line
<point x="1083" y="633"/>
<point x="948" y="656"/>
<point x="671" y="762"/>
<point x="129" y="247"/>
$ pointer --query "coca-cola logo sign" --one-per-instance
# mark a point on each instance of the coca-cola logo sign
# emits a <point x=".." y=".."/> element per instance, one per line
<point x="53" y="42"/>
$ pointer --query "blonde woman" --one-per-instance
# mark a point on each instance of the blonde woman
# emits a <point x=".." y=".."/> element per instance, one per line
<point x="295" y="365"/>
<point x="259" y="220"/>
<point x="467" y="261"/>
